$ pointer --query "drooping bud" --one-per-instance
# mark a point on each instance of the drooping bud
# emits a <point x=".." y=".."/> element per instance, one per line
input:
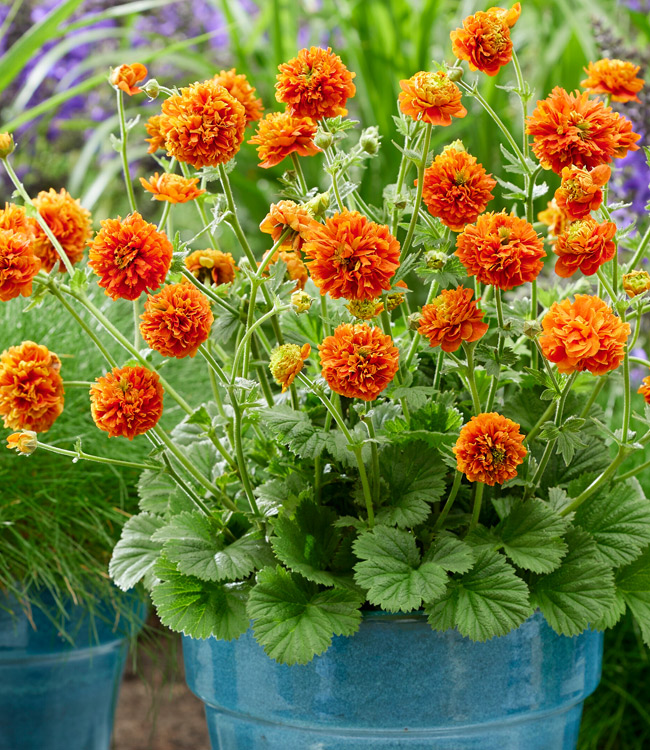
<point x="24" y="442"/>
<point x="532" y="328"/>
<point x="7" y="145"/>
<point x="370" y="140"/>
<point x="414" y="321"/>
<point x="286" y="362"/>
<point x="151" y="88"/>
<point x="323" y="139"/>
<point x="318" y="205"/>
<point x="301" y="301"/>
<point x="636" y="282"/>
<point x="454" y="74"/>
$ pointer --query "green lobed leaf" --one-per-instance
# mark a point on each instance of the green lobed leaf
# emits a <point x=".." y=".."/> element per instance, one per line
<point x="531" y="535"/>
<point x="392" y="571"/>
<point x="295" y="430"/>
<point x="450" y="553"/>
<point x="154" y="489"/>
<point x="307" y="541"/>
<point x="577" y="593"/>
<point x="487" y="601"/>
<point x="195" y="543"/>
<point x="198" y="608"/>
<point x="295" y="620"/>
<point x="136" y="552"/>
<point x="633" y="585"/>
<point x="618" y="518"/>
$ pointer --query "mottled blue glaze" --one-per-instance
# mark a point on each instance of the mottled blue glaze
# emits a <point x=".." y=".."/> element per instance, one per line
<point x="56" y="694"/>
<point x="398" y="684"/>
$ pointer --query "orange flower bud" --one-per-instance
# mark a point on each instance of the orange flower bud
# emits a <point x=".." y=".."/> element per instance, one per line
<point x="24" y="443"/>
<point x="636" y="282"/>
<point x="125" y="78"/>
<point x="286" y="362"/>
<point x="6" y="145"/>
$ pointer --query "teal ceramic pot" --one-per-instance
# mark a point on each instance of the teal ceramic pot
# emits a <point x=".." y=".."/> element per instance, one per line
<point x="58" y="695"/>
<point x="398" y="684"/>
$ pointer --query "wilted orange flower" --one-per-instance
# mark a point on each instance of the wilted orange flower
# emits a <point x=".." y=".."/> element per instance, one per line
<point x="489" y="449"/>
<point x="286" y="362"/>
<point x="156" y="139"/>
<point x="573" y="130"/>
<point x="211" y="266"/>
<point x="636" y="282"/>
<point x="555" y="219"/>
<point x="176" y="321"/>
<point x="644" y="390"/>
<point x="18" y="265"/>
<point x="584" y="246"/>
<point x="127" y="401"/>
<point x="484" y="41"/>
<point x="395" y="299"/>
<point x="13" y="218"/>
<point x="68" y="221"/>
<point x="351" y="256"/>
<point x="238" y="85"/>
<point x="583" y="335"/>
<point x="31" y="388"/>
<point x="501" y="249"/>
<point x="580" y="192"/>
<point x="203" y="125"/>
<point x="615" y="78"/>
<point x="296" y="269"/>
<point x="456" y="188"/>
<point x="431" y="97"/>
<point x="280" y="134"/>
<point x="130" y="256"/>
<point x="288" y="215"/>
<point x="125" y="77"/>
<point x="315" y="84"/>
<point x="451" y="318"/>
<point x="172" y="187"/>
<point x="358" y="361"/>
<point x="364" y="309"/>
<point x="24" y="443"/>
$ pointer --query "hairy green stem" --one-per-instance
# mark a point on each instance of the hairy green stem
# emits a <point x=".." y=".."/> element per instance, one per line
<point x="458" y="476"/>
<point x="418" y="196"/>
<point x="98" y="459"/>
<point x="476" y="508"/>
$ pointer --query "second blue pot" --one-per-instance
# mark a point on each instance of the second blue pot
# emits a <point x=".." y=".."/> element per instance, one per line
<point x="397" y="684"/>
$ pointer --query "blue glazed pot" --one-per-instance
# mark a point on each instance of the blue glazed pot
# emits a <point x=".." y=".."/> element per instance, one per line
<point x="398" y="684"/>
<point x="58" y="695"/>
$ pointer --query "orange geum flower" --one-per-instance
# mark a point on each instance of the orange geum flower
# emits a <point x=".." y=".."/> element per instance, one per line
<point x="501" y="249"/>
<point x="14" y="218"/>
<point x="24" y="443"/>
<point x="456" y="188"/>
<point x="614" y="78"/>
<point x="636" y="282"/>
<point x="238" y="85"/>
<point x="125" y="77"/>
<point x="489" y="449"/>
<point x="211" y="266"/>
<point x="280" y="134"/>
<point x="451" y="318"/>
<point x="583" y="335"/>
<point x="176" y="321"/>
<point x="351" y="256"/>
<point x="555" y="219"/>
<point x="484" y="40"/>
<point x="203" y="125"/>
<point x="644" y="389"/>
<point x="18" y="265"/>
<point x="573" y="130"/>
<point x="286" y="362"/>
<point x="584" y="246"/>
<point x="68" y="221"/>
<point x="156" y="139"/>
<point x="431" y="97"/>
<point x="288" y="215"/>
<point x="130" y="256"/>
<point x="358" y="361"/>
<point x="127" y="401"/>
<point x="296" y="269"/>
<point x="580" y="191"/>
<point x="31" y="388"/>
<point x="315" y="84"/>
<point x="172" y="187"/>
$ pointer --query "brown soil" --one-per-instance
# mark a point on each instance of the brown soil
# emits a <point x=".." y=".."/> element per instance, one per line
<point x="156" y="710"/>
